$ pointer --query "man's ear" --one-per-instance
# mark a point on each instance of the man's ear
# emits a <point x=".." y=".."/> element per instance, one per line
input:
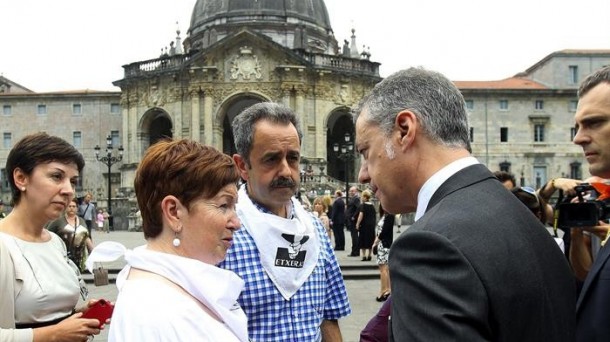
<point x="242" y="166"/>
<point x="406" y="123"/>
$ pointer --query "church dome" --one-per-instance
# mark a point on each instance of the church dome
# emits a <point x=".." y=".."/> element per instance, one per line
<point x="279" y="19"/>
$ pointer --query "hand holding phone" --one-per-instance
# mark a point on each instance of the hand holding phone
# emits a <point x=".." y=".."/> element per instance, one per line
<point x="101" y="310"/>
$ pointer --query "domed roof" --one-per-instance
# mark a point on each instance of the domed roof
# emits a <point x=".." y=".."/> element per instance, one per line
<point x="210" y="12"/>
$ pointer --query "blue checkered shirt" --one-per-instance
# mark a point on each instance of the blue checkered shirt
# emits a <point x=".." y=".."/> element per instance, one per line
<point x="270" y="316"/>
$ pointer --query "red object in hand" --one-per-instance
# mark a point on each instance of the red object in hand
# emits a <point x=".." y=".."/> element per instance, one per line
<point x="101" y="310"/>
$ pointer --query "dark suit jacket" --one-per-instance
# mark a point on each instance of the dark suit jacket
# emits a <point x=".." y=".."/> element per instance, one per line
<point x="478" y="266"/>
<point x="338" y="212"/>
<point x="351" y="212"/>
<point x="593" y="308"/>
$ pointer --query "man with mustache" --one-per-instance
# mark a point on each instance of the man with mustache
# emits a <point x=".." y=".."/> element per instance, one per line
<point x="290" y="294"/>
<point x="476" y="265"/>
<point x="593" y="123"/>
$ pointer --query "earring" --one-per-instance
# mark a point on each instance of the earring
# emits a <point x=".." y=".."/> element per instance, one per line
<point x="23" y="189"/>
<point x="176" y="241"/>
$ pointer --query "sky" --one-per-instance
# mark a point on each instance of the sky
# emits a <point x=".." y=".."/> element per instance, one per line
<point x="55" y="45"/>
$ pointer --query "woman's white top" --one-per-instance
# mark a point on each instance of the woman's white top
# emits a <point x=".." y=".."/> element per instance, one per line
<point x="152" y="309"/>
<point x="47" y="286"/>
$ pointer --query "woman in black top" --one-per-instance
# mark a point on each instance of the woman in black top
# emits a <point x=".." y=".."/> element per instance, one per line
<point x="383" y="241"/>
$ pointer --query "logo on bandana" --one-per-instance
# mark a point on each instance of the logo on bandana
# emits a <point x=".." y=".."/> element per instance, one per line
<point x="292" y="256"/>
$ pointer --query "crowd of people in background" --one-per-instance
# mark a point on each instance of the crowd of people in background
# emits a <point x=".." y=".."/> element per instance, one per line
<point x="244" y="255"/>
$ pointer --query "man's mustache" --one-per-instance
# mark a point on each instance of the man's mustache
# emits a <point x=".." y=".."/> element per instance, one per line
<point x="283" y="183"/>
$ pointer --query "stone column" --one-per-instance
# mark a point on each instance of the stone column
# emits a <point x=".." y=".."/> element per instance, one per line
<point x="195" y="115"/>
<point x="208" y="115"/>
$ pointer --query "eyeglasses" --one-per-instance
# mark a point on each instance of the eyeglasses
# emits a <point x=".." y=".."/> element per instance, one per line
<point x="71" y="206"/>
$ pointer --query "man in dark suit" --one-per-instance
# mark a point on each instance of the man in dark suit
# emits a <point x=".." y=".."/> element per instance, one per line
<point x="337" y="218"/>
<point x="351" y="214"/>
<point x="476" y="265"/>
<point x="593" y="135"/>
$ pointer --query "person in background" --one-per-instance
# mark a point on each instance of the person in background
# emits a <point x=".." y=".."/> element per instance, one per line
<point x="383" y="242"/>
<point x="593" y="135"/>
<point x="337" y="220"/>
<point x="454" y="271"/>
<point x="106" y="216"/>
<point x="171" y="289"/>
<point x="72" y="230"/>
<point x="87" y="211"/>
<point x="536" y="205"/>
<point x="99" y="220"/>
<point x="319" y="210"/>
<point x="365" y="224"/>
<point x="328" y="202"/>
<point x="506" y="178"/>
<point x="39" y="289"/>
<point x="294" y="288"/>
<point x="351" y="214"/>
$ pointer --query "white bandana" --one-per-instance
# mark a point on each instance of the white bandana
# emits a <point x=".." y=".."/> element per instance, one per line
<point x="216" y="288"/>
<point x="288" y="248"/>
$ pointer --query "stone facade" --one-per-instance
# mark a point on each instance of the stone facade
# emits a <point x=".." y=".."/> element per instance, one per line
<point x="83" y="118"/>
<point x="197" y="95"/>
<point x="525" y="124"/>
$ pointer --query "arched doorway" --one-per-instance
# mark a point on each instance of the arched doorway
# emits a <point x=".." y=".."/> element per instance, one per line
<point x="233" y="109"/>
<point x="156" y="125"/>
<point x="340" y="123"/>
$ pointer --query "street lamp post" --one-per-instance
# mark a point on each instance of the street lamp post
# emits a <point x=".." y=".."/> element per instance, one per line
<point x="109" y="160"/>
<point x="345" y="152"/>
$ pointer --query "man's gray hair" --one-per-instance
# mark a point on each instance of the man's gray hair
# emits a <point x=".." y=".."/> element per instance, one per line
<point x="433" y="98"/>
<point x="600" y="76"/>
<point x="243" y="124"/>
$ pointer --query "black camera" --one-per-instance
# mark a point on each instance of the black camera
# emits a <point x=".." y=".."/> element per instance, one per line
<point x="587" y="212"/>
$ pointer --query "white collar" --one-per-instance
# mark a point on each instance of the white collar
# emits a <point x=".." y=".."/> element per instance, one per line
<point x="437" y="179"/>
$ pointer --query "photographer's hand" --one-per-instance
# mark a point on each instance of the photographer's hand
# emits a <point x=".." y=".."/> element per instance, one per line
<point x="602" y="230"/>
<point x="565" y="184"/>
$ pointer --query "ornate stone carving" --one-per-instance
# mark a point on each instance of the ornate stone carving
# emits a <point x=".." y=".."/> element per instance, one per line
<point x="345" y="94"/>
<point x="155" y="97"/>
<point x="246" y="65"/>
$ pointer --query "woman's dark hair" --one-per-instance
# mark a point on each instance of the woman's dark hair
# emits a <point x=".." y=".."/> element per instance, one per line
<point x="36" y="149"/>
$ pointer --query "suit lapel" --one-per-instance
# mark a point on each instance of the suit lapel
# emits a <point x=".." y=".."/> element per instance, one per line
<point x="600" y="261"/>
<point x="463" y="178"/>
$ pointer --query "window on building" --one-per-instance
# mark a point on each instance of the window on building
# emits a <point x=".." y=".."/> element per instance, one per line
<point x="7" y="110"/>
<point x="573" y="132"/>
<point x="573" y="74"/>
<point x="76" y="109"/>
<point x="503" y="104"/>
<point x="469" y="104"/>
<point x="42" y="109"/>
<point x="539" y="176"/>
<point x="114" y="135"/>
<point x="77" y="140"/>
<point x="505" y="166"/>
<point x="471" y="134"/>
<point x="503" y="134"/>
<point x="575" y="170"/>
<point x="115" y="108"/>
<point x="7" y="140"/>
<point x="572" y="105"/>
<point x="538" y="132"/>
<point x="539" y="105"/>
